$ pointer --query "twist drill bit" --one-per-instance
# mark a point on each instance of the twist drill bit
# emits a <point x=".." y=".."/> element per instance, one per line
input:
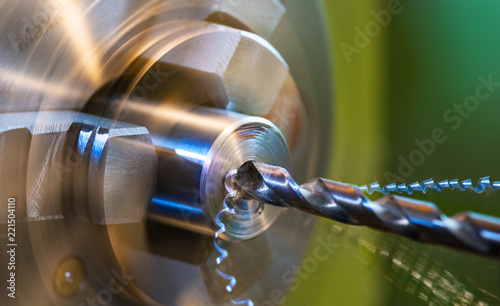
<point x="418" y="220"/>
<point x="482" y="185"/>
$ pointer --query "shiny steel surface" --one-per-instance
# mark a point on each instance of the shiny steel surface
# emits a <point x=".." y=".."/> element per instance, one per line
<point x="179" y="87"/>
<point x="194" y="157"/>
<point x="56" y="54"/>
<point x="417" y="220"/>
<point x="198" y="63"/>
<point x="59" y="55"/>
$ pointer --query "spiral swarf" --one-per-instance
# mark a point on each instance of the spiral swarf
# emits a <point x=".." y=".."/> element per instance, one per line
<point x="463" y="185"/>
<point x="223" y="252"/>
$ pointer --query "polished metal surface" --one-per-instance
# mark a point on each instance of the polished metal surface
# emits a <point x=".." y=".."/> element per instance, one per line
<point x="254" y="58"/>
<point x="185" y="89"/>
<point x="56" y="54"/>
<point x="199" y="63"/>
<point x="194" y="158"/>
<point x="414" y="219"/>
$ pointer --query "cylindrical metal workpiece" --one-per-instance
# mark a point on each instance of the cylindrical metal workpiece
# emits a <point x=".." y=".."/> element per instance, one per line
<point x="182" y="88"/>
<point x="195" y="155"/>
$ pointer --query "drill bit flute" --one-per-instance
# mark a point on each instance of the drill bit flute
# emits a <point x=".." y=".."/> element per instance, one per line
<point x="418" y="220"/>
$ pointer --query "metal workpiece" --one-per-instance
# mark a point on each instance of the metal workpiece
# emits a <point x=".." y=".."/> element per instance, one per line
<point x="63" y="164"/>
<point x="189" y="90"/>
<point x="211" y="97"/>
<point x="195" y="89"/>
<point x="418" y="220"/>
<point x="194" y="158"/>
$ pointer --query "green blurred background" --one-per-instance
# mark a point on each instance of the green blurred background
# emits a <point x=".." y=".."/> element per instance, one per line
<point x="392" y="92"/>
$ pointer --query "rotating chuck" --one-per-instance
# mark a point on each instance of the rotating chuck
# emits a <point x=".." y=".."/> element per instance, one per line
<point x="159" y="139"/>
<point x="119" y="112"/>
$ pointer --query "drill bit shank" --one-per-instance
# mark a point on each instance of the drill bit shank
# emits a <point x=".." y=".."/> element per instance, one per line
<point x="418" y="220"/>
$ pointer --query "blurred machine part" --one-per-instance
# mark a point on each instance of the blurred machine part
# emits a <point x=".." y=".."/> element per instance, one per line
<point x="107" y="105"/>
